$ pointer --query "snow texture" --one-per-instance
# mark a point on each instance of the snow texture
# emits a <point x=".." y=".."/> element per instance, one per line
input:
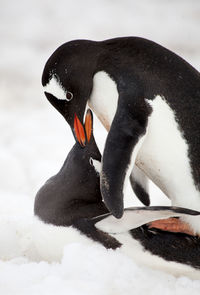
<point x="35" y="141"/>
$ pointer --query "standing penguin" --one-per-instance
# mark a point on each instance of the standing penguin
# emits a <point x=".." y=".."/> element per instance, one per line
<point x="152" y="98"/>
<point x="69" y="208"/>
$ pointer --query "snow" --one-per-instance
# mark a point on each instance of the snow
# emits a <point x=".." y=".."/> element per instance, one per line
<point x="35" y="139"/>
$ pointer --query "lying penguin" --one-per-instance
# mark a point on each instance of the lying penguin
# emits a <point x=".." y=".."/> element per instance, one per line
<point x="152" y="98"/>
<point x="69" y="208"/>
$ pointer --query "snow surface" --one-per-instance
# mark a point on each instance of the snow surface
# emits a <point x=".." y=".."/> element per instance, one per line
<point x="35" y="139"/>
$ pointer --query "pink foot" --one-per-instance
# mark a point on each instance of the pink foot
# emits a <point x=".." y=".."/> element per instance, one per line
<point x="172" y="225"/>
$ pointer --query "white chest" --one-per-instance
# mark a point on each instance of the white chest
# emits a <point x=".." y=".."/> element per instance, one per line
<point x="104" y="98"/>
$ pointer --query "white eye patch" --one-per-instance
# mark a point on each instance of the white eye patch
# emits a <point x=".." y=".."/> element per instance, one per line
<point x="96" y="164"/>
<point x="55" y="88"/>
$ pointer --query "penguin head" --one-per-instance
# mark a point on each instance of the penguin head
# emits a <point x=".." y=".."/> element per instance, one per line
<point x="68" y="79"/>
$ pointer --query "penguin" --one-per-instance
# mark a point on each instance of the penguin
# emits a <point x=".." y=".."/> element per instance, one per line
<point x="148" y="98"/>
<point x="69" y="208"/>
<point x="68" y="79"/>
<point x="74" y="192"/>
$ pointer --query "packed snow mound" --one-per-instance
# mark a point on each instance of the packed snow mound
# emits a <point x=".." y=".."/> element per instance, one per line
<point x="89" y="270"/>
<point x="83" y="268"/>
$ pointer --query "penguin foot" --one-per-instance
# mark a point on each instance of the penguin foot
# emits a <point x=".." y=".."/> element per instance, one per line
<point x="172" y="225"/>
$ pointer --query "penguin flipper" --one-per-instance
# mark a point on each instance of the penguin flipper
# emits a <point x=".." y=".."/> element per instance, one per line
<point x="137" y="216"/>
<point x="124" y="140"/>
<point x="140" y="185"/>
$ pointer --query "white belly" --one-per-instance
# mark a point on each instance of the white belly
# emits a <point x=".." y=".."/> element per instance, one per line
<point x="164" y="157"/>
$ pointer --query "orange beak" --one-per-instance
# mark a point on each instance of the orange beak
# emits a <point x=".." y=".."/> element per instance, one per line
<point x="79" y="131"/>
<point x="88" y="124"/>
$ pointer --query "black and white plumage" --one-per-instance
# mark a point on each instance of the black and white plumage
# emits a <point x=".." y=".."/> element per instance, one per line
<point x="70" y="209"/>
<point x="149" y="98"/>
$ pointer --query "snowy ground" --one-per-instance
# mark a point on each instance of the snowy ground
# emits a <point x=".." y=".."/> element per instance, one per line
<point x="35" y="139"/>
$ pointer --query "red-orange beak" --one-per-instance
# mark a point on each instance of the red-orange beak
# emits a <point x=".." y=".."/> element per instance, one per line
<point x="82" y="132"/>
<point x="79" y="131"/>
<point x="88" y="124"/>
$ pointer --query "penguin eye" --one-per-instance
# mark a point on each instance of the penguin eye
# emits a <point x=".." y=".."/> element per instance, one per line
<point x="69" y="96"/>
<point x="91" y="162"/>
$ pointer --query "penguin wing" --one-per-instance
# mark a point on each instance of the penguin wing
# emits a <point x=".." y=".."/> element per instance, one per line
<point x="125" y="138"/>
<point x="140" y="185"/>
<point x="137" y="216"/>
